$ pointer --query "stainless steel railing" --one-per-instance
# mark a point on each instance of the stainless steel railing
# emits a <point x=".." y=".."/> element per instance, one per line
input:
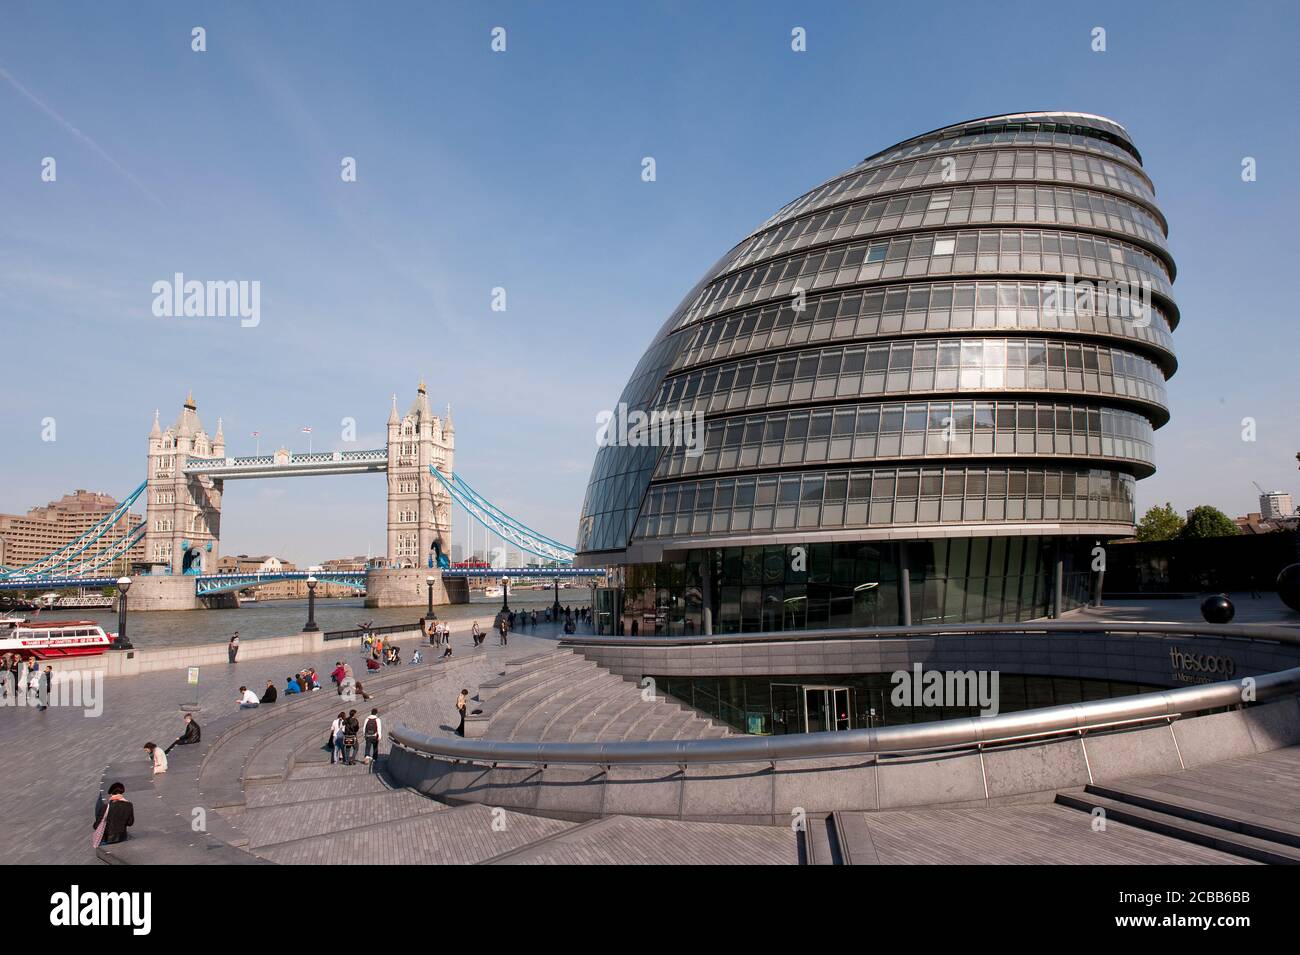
<point x="971" y="732"/>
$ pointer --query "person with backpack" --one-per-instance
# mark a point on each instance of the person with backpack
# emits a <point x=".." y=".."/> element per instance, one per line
<point x="351" y="727"/>
<point x="374" y="735"/>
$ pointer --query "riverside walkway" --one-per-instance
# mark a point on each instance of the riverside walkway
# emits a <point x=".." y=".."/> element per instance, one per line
<point x="273" y="797"/>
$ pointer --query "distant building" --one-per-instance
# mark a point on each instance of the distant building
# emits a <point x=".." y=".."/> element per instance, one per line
<point x="289" y="589"/>
<point x="1257" y="523"/>
<point x="26" y="538"/>
<point x="1276" y="504"/>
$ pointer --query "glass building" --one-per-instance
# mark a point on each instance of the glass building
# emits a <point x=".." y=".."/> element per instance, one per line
<point x="919" y="392"/>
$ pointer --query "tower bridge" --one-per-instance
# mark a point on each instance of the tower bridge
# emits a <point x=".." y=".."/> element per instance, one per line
<point x="184" y="492"/>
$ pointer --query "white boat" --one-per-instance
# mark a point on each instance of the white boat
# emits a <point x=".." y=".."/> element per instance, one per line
<point x="53" y="639"/>
<point x="493" y="592"/>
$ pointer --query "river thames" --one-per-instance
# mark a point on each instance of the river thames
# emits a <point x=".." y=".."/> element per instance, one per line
<point x="276" y="618"/>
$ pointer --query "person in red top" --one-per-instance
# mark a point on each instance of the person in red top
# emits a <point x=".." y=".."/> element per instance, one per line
<point x="337" y="675"/>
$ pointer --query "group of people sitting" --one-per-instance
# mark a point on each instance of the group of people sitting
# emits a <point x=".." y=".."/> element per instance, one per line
<point x="379" y="653"/>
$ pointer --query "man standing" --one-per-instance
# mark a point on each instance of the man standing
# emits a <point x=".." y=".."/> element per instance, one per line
<point x="232" y="648"/>
<point x="374" y="734"/>
<point x="191" y="734"/>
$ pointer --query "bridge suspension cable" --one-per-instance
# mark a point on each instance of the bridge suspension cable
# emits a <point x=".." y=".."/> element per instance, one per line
<point x="501" y="523"/>
<point x="68" y="553"/>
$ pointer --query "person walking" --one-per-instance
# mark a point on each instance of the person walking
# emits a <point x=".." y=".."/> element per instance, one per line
<point x="462" y="704"/>
<point x="374" y="735"/>
<point x="158" y="757"/>
<point x="191" y="734"/>
<point x="476" y="632"/>
<point x="351" y="727"/>
<point x="336" y="738"/>
<point x="232" y="648"/>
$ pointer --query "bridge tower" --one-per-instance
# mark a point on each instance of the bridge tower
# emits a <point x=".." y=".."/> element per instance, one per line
<point x="183" y="511"/>
<point x="419" y="508"/>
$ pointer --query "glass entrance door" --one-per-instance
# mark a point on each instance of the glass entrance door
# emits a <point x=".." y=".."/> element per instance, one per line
<point x="827" y="709"/>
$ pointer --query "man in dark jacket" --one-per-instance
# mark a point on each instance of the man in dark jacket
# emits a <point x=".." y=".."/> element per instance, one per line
<point x="271" y="694"/>
<point x="117" y="815"/>
<point x="191" y="734"/>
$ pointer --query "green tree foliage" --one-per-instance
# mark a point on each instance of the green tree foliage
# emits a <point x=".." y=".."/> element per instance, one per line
<point x="1159" y="523"/>
<point x="1207" y="521"/>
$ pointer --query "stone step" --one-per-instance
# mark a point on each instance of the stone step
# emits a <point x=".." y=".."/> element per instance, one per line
<point x="464" y="835"/>
<point x="542" y="703"/>
<point x="276" y="824"/>
<point x="516" y="670"/>
<point x="561" y="724"/>
<point x="351" y="781"/>
<point x="1185" y="830"/>
<point x="595" y="725"/>
<point x="510" y="696"/>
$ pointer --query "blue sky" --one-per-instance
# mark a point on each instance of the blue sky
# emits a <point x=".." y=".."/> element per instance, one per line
<point x="522" y="170"/>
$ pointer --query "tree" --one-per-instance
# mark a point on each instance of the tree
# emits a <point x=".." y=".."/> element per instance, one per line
<point x="1159" y="524"/>
<point x="1207" y="521"/>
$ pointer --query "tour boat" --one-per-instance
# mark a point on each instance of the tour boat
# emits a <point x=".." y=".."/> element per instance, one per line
<point x="54" y="638"/>
<point x="492" y="592"/>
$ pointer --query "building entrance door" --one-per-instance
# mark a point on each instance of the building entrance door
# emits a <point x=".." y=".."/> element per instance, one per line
<point x="827" y="709"/>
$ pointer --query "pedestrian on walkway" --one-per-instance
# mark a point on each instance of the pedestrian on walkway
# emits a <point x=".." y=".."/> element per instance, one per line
<point x="462" y="704"/>
<point x="156" y="756"/>
<point x="477" y="633"/>
<point x="191" y="734"/>
<point x="374" y="734"/>
<point x="351" y="727"/>
<point x="336" y="738"/>
<point x="232" y="648"/>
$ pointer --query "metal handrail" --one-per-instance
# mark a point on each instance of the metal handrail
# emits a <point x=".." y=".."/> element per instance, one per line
<point x="912" y="738"/>
<point x="973" y="731"/>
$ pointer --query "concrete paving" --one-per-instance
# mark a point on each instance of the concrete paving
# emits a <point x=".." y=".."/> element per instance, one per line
<point x="53" y="759"/>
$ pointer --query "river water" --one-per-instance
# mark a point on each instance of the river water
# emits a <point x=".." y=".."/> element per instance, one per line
<point x="277" y="618"/>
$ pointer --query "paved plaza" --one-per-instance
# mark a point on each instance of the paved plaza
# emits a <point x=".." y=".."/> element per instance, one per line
<point x="54" y="758"/>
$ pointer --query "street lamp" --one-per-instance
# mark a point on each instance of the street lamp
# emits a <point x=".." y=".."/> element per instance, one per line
<point x="123" y="641"/>
<point x="311" y="606"/>
<point x="429" y="583"/>
<point x="505" y="594"/>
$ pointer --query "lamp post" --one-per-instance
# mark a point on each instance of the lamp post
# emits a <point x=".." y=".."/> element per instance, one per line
<point x="429" y="583"/>
<point x="311" y="606"/>
<point x="123" y="641"/>
<point x="505" y="594"/>
<point x="556" y="607"/>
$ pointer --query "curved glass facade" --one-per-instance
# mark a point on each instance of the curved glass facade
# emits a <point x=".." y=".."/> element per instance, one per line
<point x="966" y="335"/>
